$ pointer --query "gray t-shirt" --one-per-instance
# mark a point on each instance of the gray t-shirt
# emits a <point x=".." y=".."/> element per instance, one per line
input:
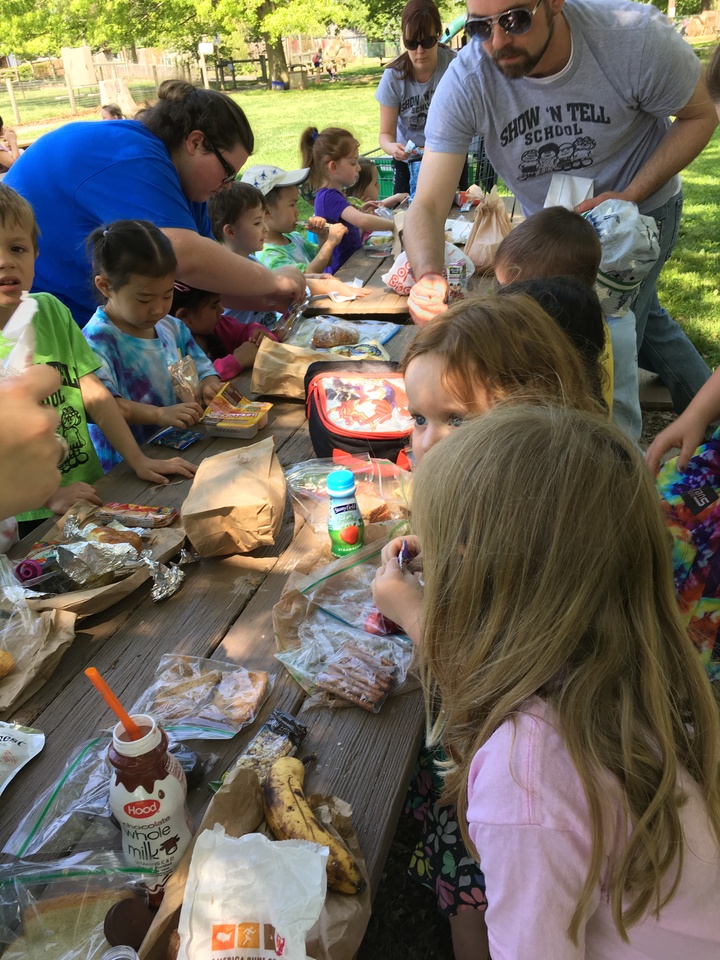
<point x="600" y="118"/>
<point x="411" y="98"/>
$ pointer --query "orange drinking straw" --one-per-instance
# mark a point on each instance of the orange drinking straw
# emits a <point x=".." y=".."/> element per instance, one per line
<point x="112" y="701"/>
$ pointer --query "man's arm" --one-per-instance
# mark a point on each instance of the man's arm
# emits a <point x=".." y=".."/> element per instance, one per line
<point x="424" y="232"/>
<point x="244" y="284"/>
<point x="686" y="138"/>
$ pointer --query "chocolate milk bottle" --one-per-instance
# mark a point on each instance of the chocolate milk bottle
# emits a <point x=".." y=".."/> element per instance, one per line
<point x="147" y="797"/>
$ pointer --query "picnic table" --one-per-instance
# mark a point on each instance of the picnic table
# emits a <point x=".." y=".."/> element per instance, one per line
<point x="223" y="611"/>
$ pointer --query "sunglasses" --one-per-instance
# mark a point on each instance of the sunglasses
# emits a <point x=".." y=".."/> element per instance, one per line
<point x="515" y="22"/>
<point x="427" y="43"/>
<point x="230" y="174"/>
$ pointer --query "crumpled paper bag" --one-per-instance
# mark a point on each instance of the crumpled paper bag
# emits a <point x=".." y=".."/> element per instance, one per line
<point x="279" y="369"/>
<point x="236" y="501"/>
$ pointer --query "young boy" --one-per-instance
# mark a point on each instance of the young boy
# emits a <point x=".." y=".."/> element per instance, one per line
<point x="557" y="242"/>
<point x="60" y="344"/>
<point x="284" y="246"/>
<point x="238" y="218"/>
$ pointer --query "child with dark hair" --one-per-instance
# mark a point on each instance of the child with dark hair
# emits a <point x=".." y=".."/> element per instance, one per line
<point x="232" y="346"/>
<point x="59" y="343"/>
<point x="367" y="187"/>
<point x="132" y="334"/>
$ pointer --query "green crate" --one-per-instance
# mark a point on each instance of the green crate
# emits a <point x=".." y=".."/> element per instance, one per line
<point x="386" y="175"/>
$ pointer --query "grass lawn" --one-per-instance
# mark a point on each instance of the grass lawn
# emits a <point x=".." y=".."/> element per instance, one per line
<point x="690" y="282"/>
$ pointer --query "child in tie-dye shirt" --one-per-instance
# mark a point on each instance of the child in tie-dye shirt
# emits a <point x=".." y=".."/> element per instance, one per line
<point x="133" y="336"/>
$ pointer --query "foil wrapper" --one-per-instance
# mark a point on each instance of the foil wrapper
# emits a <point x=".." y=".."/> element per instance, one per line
<point x="88" y="561"/>
<point x="167" y="580"/>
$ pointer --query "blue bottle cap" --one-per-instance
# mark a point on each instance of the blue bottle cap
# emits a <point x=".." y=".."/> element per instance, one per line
<point x="340" y="483"/>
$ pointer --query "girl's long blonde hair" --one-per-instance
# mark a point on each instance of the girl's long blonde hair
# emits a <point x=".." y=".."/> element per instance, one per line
<point x="548" y="573"/>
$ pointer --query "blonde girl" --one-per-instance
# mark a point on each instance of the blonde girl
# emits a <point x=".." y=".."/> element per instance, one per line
<point x="333" y="158"/>
<point x="582" y="735"/>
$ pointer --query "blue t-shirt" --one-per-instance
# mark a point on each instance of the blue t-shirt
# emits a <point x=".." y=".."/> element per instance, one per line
<point x="137" y="369"/>
<point x="330" y="203"/>
<point x="88" y="174"/>
<point x="267" y="318"/>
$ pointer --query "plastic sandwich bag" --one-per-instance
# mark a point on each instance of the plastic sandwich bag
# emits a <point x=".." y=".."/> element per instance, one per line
<point x="56" y="911"/>
<point x="630" y="249"/>
<point x="250" y="896"/>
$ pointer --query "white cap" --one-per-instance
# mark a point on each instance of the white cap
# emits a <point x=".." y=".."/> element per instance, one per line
<point x="266" y="177"/>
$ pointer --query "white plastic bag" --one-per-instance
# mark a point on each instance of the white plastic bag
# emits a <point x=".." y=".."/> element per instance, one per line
<point x="630" y="249"/>
<point x="400" y="277"/>
<point x="250" y="896"/>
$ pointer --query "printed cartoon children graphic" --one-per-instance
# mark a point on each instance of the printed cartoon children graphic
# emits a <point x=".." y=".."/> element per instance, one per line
<point x="553" y="158"/>
<point x="70" y="419"/>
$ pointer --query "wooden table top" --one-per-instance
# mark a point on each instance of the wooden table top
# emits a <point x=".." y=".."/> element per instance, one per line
<point x="223" y="610"/>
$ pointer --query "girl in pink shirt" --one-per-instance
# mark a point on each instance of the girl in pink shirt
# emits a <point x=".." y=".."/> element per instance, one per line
<point x="582" y="732"/>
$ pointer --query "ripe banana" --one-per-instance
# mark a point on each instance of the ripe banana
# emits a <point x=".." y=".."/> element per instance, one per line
<point x="290" y="818"/>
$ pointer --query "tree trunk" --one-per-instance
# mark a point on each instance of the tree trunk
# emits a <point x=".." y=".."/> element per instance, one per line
<point x="277" y="65"/>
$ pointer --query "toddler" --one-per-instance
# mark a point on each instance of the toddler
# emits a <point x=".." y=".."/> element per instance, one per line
<point x="480" y="353"/>
<point x="232" y="346"/>
<point x="59" y="343"/>
<point x="366" y="189"/>
<point x="133" y="336"/>
<point x="284" y="246"/>
<point x="332" y="157"/>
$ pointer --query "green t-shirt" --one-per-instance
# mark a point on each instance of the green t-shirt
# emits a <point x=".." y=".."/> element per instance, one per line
<point x="299" y="252"/>
<point x="60" y="344"/>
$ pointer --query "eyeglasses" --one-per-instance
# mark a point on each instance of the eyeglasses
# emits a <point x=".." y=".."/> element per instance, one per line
<point x="515" y="22"/>
<point x="427" y="43"/>
<point x="230" y="174"/>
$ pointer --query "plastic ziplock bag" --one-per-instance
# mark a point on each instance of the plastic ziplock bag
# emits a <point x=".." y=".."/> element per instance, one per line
<point x="184" y="376"/>
<point x="383" y="490"/>
<point x="325" y="626"/>
<point x="74" y="812"/>
<point x="21" y="333"/>
<point x="31" y="643"/>
<point x="202" y="699"/>
<point x="250" y="896"/>
<point x="19" y="745"/>
<point x="630" y="248"/>
<point x="56" y="911"/>
<point x="368" y="330"/>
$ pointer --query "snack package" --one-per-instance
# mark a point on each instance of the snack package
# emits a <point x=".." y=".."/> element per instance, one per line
<point x="184" y="376"/>
<point x="382" y="489"/>
<point x="74" y="812"/>
<point x="279" y="736"/>
<point x="31" y="643"/>
<point x="18" y="746"/>
<point x="199" y="699"/>
<point x="400" y="277"/>
<point x="175" y="438"/>
<point x="250" y="896"/>
<point x="133" y="515"/>
<point x="57" y="911"/>
<point x="230" y="414"/>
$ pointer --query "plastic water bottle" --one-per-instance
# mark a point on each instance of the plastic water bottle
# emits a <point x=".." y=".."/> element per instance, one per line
<point x="345" y="522"/>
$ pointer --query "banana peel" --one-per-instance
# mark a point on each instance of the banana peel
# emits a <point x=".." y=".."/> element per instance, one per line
<point x="290" y="818"/>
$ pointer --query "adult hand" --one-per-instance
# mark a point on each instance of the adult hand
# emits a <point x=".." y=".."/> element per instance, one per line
<point x="398" y="152"/>
<point x="29" y="449"/>
<point x="179" y="415"/>
<point x="594" y="201"/>
<point x="427" y="298"/>
<point x="158" y="471"/>
<point x="687" y="433"/>
<point x="289" y="288"/>
<point x="63" y="498"/>
<point x="209" y="386"/>
<point x="398" y="596"/>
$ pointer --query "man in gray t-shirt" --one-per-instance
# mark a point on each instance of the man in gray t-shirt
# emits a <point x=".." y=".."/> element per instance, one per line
<point x="587" y="90"/>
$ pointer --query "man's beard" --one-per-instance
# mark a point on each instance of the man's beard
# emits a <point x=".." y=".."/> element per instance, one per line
<point x="527" y="62"/>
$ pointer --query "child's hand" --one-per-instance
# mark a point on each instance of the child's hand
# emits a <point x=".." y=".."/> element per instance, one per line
<point x="336" y="231"/>
<point x="394" y="200"/>
<point x="317" y="225"/>
<point x="245" y="354"/>
<point x="158" y="471"/>
<point x="398" y="596"/>
<point x="687" y="433"/>
<point x="370" y="206"/>
<point x="179" y="415"/>
<point x="209" y="386"/>
<point x="257" y="336"/>
<point x="391" y="550"/>
<point x="64" y="497"/>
